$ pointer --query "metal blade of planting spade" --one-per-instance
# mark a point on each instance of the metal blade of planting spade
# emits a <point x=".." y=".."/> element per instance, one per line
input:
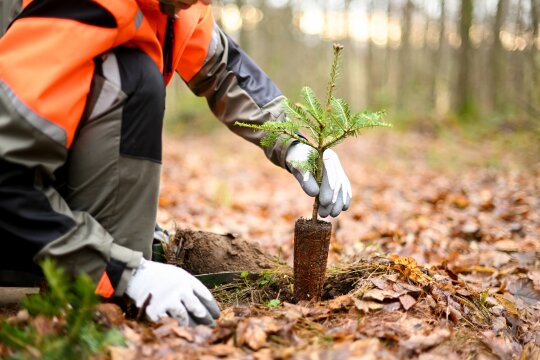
<point x="212" y="280"/>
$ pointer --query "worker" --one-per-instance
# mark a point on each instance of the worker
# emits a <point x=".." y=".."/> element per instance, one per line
<point x="82" y="99"/>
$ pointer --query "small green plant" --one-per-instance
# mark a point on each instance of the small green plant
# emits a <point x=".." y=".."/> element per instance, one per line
<point x="68" y="308"/>
<point x="273" y="303"/>
<point x="317" y="125"/>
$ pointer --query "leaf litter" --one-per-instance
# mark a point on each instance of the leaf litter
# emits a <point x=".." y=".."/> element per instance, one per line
<point x="427" y="263"/>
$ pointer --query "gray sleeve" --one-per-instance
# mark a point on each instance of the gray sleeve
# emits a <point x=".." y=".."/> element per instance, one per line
<point x="238" y="90"/>
<point x="9" y="10"/>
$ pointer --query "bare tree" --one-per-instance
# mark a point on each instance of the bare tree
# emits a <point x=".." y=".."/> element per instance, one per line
<point x="534" y="59"/>
<point x="498" y="81"/>
<point x="404" y="54"/>
<point x="388" y="51"/>
<point x="464" y="95"/>
<point x="370" y="62"/>
<point x="436" y="73"/>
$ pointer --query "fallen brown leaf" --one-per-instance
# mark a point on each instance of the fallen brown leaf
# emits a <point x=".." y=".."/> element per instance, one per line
<point x="499" y="324"/>
<point x="122" y="353"/>
<point x="411" y="269"/>
<point x="367" y="306"/>
<point x="340" y="302"/>
<point x="253" y="332"/>
<point x="523" y="289"/>
<point x="381" y="283"/>
<point x="407" y="301"/>
<point x="381" y="295"/>
<point x="109" y="314"/>
<point x="420" y="342"/>
<point x="507" y="304"/>
<point x="501" y="345"/>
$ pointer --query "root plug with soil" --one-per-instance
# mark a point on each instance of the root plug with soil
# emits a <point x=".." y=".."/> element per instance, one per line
<point x="311" y="245"/>
<point x="325" y="126"/>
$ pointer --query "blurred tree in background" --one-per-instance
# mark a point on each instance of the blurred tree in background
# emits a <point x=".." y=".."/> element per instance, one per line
<point x="424" y="61"/>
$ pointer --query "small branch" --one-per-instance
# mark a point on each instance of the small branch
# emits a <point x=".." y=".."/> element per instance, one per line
<point x="296" y="137"/>
<point x="336" y="140"/>
<point x="142" y="310"/>
<point x="321" y="124"/>
<point x="339" y="124"/>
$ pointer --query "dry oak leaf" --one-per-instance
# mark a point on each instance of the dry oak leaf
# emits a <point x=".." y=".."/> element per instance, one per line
<point x="459" y="201"/>
<point x="366" y="306"/>
<point x="499" y="323"/>
<point x="392" y="306"/>
<point x="294" y="312"/>
<point x="341" y="302"/>
<point x="381" y="295"/>
<point x="409" y="268"/>
<point x="366" y="349"/>
<point x="530" y="351"/>
<point x="122" y="353"/>
<point x="501" y="346"/>
<point x="418" y="342"/>
<point x="131" y="335"/>
<point x="534" y="275"/>
<point x="109" y="314"/>
<point x="407" y="301"/>
<point x="253" y="332"/>
<point x="222" y="350"/>
<point x="524" y="290"/>
<point x="507" y="304"/>
<point x="380" y="283"/>
<point x="166" y="327"/>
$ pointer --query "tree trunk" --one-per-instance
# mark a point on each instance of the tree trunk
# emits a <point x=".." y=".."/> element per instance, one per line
<point x="311" y="245"/>
<point x="437" y="73"/>
<point x="243" y="38"/>
<point x="464" y="99"/>
<point x="519" y="64"/>
<point x="388" y="53"/>
<point x="370" y="62"/>
<point x="534" y="57"/>
<point x="497" y="88"/>
<point x="404" y="55"/>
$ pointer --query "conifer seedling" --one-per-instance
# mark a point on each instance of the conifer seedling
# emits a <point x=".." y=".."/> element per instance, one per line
<point x="321" y="126"/>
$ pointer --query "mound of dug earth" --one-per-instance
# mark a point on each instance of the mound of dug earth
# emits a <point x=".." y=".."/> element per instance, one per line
<point x="201" y="252"/>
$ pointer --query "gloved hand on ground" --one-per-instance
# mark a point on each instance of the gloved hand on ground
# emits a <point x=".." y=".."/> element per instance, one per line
<point x="335" y="191"/>
<point x="175" y="293"/>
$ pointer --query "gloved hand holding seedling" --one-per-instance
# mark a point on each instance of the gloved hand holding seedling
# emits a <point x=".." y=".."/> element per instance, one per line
<point x="316" y="128"/>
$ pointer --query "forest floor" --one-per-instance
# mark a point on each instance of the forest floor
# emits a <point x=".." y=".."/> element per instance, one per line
<point x="438" y="256"/>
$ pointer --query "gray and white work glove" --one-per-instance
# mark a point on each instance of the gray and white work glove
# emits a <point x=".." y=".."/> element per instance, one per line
<point x="175" y="293"/>
<point x="335" y="191"/>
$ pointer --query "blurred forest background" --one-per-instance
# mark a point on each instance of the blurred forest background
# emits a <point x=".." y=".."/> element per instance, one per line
<point x="432" y="65"/>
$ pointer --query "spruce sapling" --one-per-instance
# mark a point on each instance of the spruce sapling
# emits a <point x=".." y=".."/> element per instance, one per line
<point x="322" y="127"/>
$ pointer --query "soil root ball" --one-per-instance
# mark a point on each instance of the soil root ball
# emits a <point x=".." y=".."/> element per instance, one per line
<point x="311" y="244"/>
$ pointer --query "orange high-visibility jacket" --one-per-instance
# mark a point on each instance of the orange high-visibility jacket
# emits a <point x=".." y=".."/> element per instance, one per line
<point x="80" y="31"/>
<point x="46" y="70"/>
